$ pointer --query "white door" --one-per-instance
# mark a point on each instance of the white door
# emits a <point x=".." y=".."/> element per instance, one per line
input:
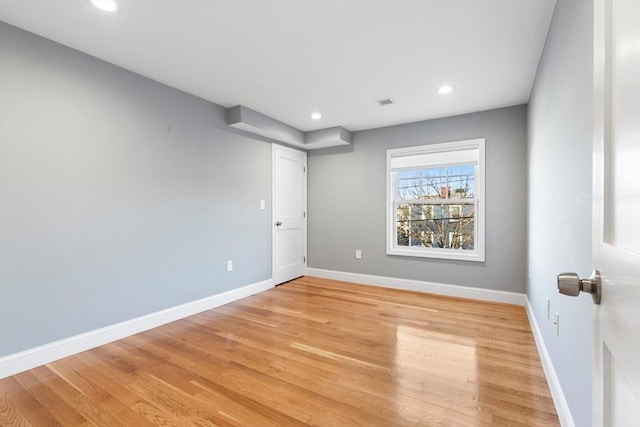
<point x="616" y="239"/>
<point x="289" y="213"/>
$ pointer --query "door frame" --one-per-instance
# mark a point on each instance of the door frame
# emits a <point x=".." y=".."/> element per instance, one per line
<point x="275" y="147"/>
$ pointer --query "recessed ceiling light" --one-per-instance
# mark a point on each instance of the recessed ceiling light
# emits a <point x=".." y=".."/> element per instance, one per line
<point x="106" y="5"/>
<point x="443" y="90"/>
<point x="316" y="116"/>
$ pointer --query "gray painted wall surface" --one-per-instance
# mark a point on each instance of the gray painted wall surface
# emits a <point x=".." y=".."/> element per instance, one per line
<point x="347" y="202"/>
<point x="105" y="215"/>
<point x="559" y="152"/>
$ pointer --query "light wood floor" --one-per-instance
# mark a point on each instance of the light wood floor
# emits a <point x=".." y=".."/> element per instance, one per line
<point x="309" y="352"/>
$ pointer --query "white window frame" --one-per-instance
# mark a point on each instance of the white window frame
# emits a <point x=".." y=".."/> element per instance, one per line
<point x="442" y="154"/>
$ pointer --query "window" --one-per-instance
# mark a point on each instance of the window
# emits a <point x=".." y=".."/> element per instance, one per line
<point x="435" y="201"/>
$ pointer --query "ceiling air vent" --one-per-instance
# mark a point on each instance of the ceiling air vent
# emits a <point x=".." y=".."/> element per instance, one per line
<point x="383" y="102"/>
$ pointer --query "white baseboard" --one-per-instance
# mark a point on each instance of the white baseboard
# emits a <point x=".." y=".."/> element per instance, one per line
<point x="422" y="286"/>
<point x="29" y="359"/>
<point x="560" y="402"/>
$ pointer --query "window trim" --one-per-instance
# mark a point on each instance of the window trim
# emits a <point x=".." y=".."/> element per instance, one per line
<point x="478" y="253"/>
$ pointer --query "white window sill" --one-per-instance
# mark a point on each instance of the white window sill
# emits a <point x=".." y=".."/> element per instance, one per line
<point x="452" y="254"/>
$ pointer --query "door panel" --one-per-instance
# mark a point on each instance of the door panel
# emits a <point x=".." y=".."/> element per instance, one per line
<point x="616" y="238"/>
<point x="625" y="128"/>
<point x="289" y="213"/>
<point x="620" y="395"/>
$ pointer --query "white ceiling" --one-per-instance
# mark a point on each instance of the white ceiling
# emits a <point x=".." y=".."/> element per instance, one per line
<point x="287" y="59"/>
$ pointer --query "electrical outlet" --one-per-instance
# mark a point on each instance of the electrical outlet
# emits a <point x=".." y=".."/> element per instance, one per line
<point x="358" y="254"/>
<point x="262" y="205"/>
<point x="557" y="323"/>
<point x="230" y="265"/>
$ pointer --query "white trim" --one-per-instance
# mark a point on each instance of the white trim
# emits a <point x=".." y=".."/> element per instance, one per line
<point x="422" y="286"/>
<point x="559" y="400"/>
<point x="29" y="359"/>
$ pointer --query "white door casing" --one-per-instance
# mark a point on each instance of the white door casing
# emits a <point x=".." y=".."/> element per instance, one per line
<point x="289" y="213"/>
<point x="616" y="213"/>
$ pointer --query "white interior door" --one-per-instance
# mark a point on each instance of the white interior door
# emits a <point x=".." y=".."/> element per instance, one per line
<point x="616" y="239"/>
<point x="289" y="213"/>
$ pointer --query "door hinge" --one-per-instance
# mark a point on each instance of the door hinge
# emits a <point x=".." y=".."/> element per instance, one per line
<point x="304" y="214"/>
<point x="304" y="258"/>
<point x="304" y="169"/>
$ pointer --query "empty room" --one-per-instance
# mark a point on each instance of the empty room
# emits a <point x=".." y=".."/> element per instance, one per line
<point x="320" y="212"/>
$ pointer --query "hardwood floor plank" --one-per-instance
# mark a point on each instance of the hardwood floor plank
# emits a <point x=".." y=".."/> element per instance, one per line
<point x="9" y="414"/>
<point x="309" y="352"/>
<point x="28" y="408"/>
<point x="124" y="399"/>
<point x="49" y="399"/>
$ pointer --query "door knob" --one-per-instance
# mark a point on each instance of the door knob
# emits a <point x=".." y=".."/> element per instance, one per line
<point x="570" y="284"/>
<point x="278" y="224"/>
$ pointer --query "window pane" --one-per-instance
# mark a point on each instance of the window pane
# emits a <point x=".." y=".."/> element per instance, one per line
<point x="445" y="182"/>
<point x="439" y="225"/>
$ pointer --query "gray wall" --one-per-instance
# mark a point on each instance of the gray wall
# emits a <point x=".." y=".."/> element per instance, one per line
<point x="347" y="202"/>
<point x="105" y="214"/>
<point x="559" y="235"/>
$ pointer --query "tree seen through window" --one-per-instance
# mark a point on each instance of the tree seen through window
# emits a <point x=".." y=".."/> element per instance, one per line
<point x="435" y="207"/>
